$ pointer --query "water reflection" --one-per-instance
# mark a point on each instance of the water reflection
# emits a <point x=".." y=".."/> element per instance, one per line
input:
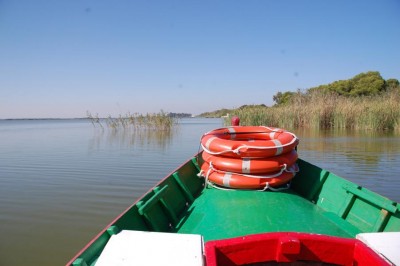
<point x="370" y="159"/>
<point x="368" y="147"/>
<point x="50" y="180"/>
<point x="132" y="138"/>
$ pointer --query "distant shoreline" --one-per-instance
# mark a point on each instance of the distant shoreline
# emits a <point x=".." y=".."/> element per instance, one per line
<point x="28" y="119"/>
<point x="81" y="118"/>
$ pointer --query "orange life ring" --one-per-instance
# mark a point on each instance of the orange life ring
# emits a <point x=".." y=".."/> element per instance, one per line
<point x="248" y="141"/>
<point x="238" y="181"/>
<point x="251" y="166"/>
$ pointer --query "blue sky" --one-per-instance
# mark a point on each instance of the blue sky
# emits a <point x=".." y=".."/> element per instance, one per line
<point x="62" y="58"/>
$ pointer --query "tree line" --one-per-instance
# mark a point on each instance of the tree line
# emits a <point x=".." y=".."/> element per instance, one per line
<point x="364" y="84"/>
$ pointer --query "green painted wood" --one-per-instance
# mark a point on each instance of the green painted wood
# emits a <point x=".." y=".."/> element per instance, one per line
<point x="79" y="262"/>
<point x="158" y="193"/>
<point x="170" y="211"/>
<point x="91" y="253"/>
<point x="348" y="203"/>
<point x="393" y="224"/>
<point x="318" y="202"/>
<point x="113" y="230"/>
<point x="309" y="181"/>
<point x="218" y="214"/>
<point x="381" y="221"/>
<point x="373" y="199"/>
<point x="184" y="188"/>
<point x="195" y="163"/>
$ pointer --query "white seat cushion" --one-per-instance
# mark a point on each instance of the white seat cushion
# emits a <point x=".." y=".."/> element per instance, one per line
<point x="151" y="248"/>
<point x="387" y="244"/>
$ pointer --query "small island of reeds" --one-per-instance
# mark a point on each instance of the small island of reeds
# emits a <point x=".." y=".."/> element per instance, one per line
<point x="160" y="121"/>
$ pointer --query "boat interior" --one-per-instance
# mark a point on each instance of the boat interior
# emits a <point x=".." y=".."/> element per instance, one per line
<point x="316" y="202"/>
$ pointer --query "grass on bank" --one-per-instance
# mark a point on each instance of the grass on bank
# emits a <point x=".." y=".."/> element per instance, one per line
<point x="328" y="111"/>
<point x="158" y="121"/>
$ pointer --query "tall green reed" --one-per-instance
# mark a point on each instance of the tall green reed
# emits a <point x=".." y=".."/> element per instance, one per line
<point x="156" y="121"/>
<point x="328" y="111"/>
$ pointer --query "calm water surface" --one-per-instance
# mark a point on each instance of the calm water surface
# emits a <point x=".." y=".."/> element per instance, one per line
<point x="61" y="181"/>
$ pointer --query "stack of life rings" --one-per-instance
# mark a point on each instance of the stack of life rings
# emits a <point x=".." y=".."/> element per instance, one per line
<point x="249" y="157"/>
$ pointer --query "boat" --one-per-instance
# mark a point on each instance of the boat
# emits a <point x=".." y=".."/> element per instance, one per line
<point x="315" y="217"/>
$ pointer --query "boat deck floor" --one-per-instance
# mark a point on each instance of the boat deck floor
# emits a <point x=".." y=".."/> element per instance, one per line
<point x="250" y="212"/>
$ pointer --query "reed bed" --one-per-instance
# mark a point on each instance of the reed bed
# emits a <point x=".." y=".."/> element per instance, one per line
<point x="157" y="121"/>
<point x="328" y="111"/>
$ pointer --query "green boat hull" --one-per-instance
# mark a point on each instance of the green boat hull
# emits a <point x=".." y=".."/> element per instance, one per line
<point x="317" y="202"/>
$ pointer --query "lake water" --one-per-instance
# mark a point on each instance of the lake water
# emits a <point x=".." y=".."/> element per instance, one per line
<point x="61" y="181"/>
